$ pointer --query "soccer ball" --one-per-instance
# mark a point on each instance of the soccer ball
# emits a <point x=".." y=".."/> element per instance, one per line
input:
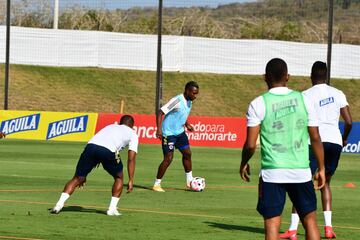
<point x="198" y="184"/>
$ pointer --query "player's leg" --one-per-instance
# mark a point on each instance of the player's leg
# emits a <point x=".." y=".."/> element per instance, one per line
<point x="311" y="227"/>
<point x="182" y="143"/>
<point x="168" y="144"/>
<point x="272" y="227"/>
<point x="332" y="155"/>
<point x="115" y="169"/>
<point x="271" y="201"/>
<point x="303" y="198"/>
<point x="291" y="233"/>
<point x="84" y="166"/>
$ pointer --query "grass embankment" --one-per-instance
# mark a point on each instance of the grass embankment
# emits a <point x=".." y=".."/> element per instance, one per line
<point x="101" y="90"/>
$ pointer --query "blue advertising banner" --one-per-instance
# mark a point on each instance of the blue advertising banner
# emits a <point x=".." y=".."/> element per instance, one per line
<point x="353" y="143"/>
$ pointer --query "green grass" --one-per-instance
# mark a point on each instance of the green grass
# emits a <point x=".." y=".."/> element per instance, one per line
<point x="101" y="90"/>
<point x="33" y="173"/>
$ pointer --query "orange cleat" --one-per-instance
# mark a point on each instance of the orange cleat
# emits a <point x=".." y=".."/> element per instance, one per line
<point x="329" y="232"/>
<point x="289" y="234"/>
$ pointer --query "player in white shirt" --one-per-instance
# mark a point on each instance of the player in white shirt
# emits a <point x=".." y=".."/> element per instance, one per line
<point x="329" y="104"/>
<point x="284" y="119"/>
<point x="104" y="148"/>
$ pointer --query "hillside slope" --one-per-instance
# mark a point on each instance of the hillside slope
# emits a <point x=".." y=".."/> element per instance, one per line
<point x="101" y="90"/>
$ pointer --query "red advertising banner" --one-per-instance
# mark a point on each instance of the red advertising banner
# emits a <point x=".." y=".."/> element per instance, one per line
<point x="208" y="131"/>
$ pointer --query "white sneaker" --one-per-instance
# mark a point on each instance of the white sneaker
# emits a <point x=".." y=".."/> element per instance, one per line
<point x="56" y="209"/>
<point x="113" y="212"/>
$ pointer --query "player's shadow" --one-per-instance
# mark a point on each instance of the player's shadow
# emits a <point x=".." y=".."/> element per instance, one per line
<point x="150" y="188"/>
<point x="81" y="209"/>
<point x="235" y="227"/>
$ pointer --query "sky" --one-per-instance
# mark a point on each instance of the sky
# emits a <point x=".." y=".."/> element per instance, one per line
<point x="125" y="4"/>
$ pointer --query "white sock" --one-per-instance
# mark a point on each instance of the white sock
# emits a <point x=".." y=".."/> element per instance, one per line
<point x="327" y="218"/>
<point x="157" y="182"/>
<point x="114" y="202"/>
<point x="294" y="222"/>
<point x="189" y="177"/>
<point x="62" y="199"/>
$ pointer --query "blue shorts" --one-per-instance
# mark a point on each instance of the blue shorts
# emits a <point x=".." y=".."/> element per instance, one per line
<point x="332" y="153"/>
<point x="92" y="156"/>
<point x="272" y="198"/>
<point x="180" y="142"/>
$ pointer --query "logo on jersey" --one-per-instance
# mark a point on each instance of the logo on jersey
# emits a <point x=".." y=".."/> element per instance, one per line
<point x="326" y="101"/>
<point x="278" y="125"/>
<point x="67" y="126"/>
<point x="284" y="108"/>
<point x="21" y="124"/>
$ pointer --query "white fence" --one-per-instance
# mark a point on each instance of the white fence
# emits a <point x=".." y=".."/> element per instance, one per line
<point x="185" y="54"/>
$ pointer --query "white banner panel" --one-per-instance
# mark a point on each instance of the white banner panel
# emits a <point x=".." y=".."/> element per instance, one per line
<point x="76" y="48"/>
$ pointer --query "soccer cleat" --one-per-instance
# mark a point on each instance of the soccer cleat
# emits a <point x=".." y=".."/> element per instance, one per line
<point x="329" y="232"/>
<point x="289" y="234"/>
<point x="158" y="188"/>
<point x="56" y="209"/>
<point x="113" y="212"/>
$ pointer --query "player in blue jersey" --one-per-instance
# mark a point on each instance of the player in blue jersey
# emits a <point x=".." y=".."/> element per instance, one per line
<point x="170" y="129"/>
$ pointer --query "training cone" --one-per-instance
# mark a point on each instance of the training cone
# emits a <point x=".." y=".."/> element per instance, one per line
<point x="350" y="185"/>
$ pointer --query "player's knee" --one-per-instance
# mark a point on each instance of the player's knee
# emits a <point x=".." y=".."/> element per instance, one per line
<point x="187" y="155"/>
<point x="80" y="180"/>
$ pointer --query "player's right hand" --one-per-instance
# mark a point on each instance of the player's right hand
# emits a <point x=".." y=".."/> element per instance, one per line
<point x="159" y="134"/>
<point x="2" y="135"/>
<point x="245" y="172"/>
<point x="130" y="187"/>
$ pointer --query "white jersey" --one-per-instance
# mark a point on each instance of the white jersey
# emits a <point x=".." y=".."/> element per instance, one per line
<point x="256" y="114"/>
<point x="116" y="137"/>
<point x="327" y="102"/>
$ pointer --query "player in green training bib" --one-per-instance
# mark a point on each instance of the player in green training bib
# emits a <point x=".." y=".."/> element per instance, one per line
<point x="284" y="119"/>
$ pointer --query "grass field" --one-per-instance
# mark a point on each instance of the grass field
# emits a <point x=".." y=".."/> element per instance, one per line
<point x="33" y="173"/>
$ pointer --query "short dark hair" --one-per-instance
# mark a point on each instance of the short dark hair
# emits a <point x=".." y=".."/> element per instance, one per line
<point x="319" y="71"/>
<point x="127" y="119"/>
<point x="276" y="69"/>
<point x="191" y="84"/>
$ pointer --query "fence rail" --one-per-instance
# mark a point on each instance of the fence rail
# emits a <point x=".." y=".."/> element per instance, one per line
<point x="51" y="47"/>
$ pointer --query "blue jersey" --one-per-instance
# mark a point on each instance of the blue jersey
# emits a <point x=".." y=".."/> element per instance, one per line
<point x="176" y="113"/>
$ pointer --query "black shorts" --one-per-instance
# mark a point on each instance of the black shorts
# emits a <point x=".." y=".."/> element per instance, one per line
<point x="332" y="153"/>
<point x="272" y="198"/>
<point x="180" y="142"/>
<point x="92" y="156"/>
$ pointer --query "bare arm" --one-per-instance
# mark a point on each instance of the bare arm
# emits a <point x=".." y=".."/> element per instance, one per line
<point x="131" y="169"/>
<point x="2" y="135"/>
<point x="345" y="114"/>
<point x="159" y="120"/>
<point x="248" y="151"/>
<point x="318" y="149"/>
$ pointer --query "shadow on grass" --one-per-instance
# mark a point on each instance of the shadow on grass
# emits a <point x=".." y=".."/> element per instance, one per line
<point x="150" y="188"/>
<point x="235" y="227"/>
<point x="81" y="209"/>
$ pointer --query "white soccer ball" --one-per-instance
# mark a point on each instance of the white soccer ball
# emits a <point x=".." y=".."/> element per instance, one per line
<point x="197" y="184"/>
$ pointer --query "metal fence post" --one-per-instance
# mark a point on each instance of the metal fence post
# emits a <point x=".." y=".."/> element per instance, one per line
<point x="159" y="61"/>
<point x="7" y="57"/>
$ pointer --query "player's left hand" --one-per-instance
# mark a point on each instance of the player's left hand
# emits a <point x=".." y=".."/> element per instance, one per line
<point x="189" y="127"/>
<point x="245" y="172"/>
<point x="130" y="187"/>
<point x="320" y="179"/>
